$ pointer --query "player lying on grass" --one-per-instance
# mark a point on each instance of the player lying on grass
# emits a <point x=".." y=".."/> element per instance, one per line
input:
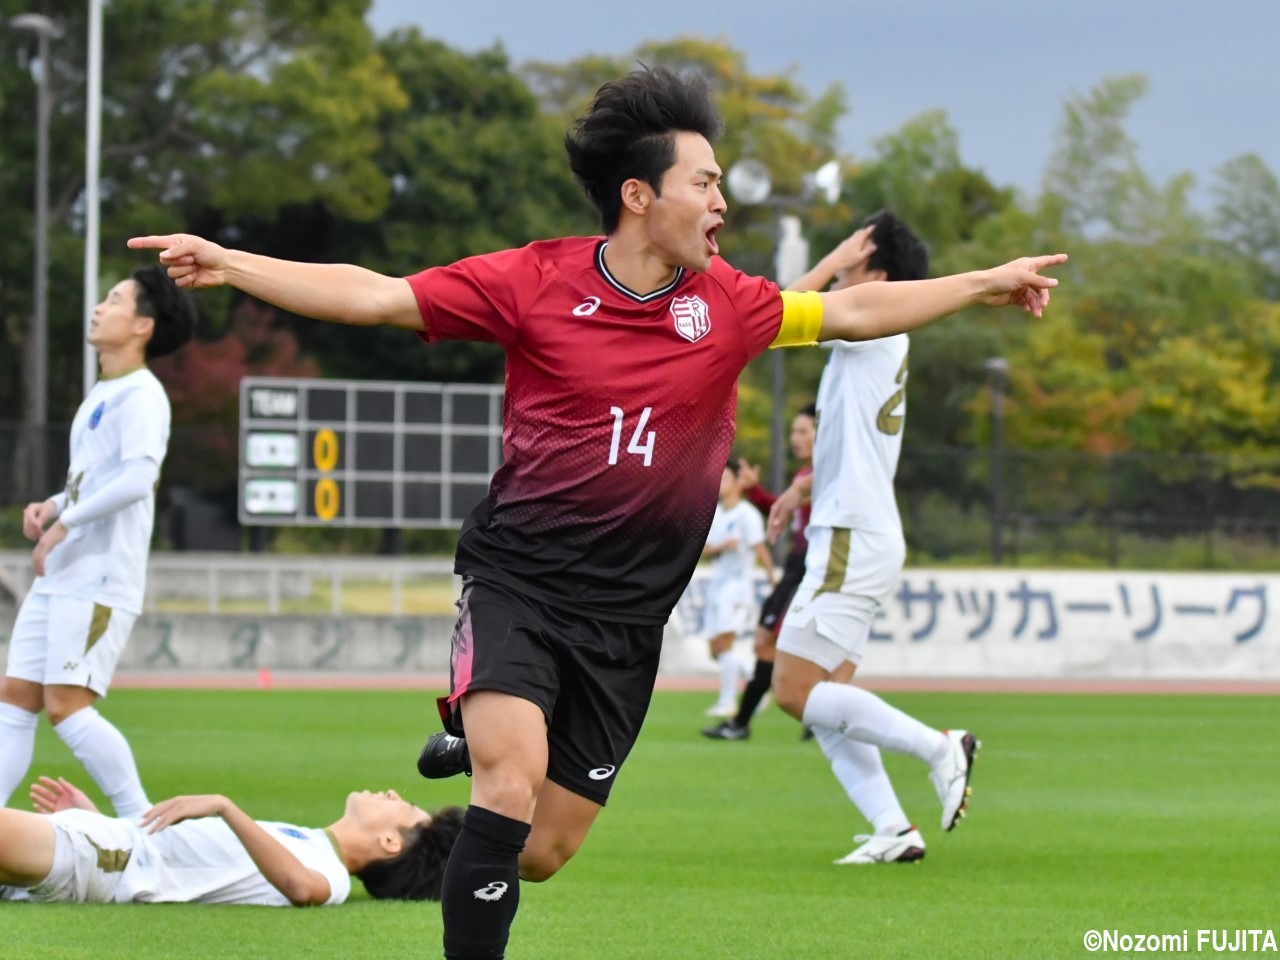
<point x="208" y="850"/>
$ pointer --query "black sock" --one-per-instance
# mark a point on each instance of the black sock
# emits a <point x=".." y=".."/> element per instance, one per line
<point x="482" y="886"/>
<point x="757" y="687"/>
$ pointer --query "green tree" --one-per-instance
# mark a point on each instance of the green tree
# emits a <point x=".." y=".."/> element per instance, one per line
<point x="1247" y="218"/>
<point x="476" y="166"/>
<point x="1159" y="342"/>
<point x="213" y="111"/>
<point x="917" y="172"/>
<point x="770" y="117"/>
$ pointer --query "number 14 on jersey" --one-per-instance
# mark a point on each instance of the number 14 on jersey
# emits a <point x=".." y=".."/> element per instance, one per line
<point x="644" y="449"/>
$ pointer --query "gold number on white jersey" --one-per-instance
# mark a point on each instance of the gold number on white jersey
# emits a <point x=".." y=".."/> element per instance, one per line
<point x="886" y="420"/>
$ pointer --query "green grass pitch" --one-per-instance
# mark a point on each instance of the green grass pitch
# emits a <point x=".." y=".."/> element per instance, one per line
<point x="1145" y="814"/>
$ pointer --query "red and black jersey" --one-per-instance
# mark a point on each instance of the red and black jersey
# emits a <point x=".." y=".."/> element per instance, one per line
<point x="618" y="419"/>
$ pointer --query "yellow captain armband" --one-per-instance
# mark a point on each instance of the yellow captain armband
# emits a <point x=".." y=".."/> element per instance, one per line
<point x="801" y="319"/>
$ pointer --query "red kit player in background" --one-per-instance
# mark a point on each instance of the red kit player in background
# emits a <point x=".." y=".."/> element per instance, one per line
<point x="623" y="355"/>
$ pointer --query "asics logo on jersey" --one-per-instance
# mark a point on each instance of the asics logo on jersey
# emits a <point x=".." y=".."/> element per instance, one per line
<point x="587" y="307"/>
<point x="493" y="891"/>
<point x="693" y="322"/>
<point x="602" y="773"/>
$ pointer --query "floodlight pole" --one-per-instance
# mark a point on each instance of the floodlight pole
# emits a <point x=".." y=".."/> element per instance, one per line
<point x="997" y="369"/>
<point x="791" y="261"/>
<point x="38" y="384"/>
<point x="92" y="155"/>
<point x="752" y="178"/>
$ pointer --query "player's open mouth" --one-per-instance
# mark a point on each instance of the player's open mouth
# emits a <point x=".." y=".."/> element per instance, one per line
<point x="711" y="239"/>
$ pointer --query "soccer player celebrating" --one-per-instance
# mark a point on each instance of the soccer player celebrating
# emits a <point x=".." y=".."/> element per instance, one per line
<point x="735" y="538"/>
<point x="92" y="542"/>
<point x="856" y="551"/>
<point x="623" y="356"/>
<point x="208" y="850"/>
<point x="774" y="608"/>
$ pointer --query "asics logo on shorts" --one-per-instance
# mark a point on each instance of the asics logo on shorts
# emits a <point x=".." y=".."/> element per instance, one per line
<point x="602" y="773"/>
<point x="493" y="891"/>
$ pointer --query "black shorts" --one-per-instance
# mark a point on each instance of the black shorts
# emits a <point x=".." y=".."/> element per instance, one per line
<point x="592" y="679"/>
<point x="775" y="605"/>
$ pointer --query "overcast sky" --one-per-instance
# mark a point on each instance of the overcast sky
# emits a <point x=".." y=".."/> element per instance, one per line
<point x="1000" y="69"/>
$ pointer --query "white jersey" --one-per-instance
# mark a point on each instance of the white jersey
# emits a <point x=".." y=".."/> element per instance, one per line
<point x="198" y="861"/>
<point x="862" y="408"/>
<point x="105" y="561"/>
<point x="742" y="522"/>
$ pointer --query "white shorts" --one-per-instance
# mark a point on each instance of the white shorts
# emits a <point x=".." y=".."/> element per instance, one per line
<point x="90" y="854"/>
<point x="848" y="575"/>
<point x="69" y="641"/>
<point x="730" y="609"/>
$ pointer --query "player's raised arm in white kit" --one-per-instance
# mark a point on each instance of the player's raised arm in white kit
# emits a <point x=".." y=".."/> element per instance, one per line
<point x="301" y="886"/>
<point x="135" y="481"/>
<point x="336" y="292"/>
<point x="854" y="250"/>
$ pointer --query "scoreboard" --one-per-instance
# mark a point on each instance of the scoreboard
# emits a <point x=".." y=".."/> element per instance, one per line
<point x="352" y="453"/>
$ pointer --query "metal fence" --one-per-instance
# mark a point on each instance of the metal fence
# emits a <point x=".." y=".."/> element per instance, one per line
<point x="1036" y="507"/>
<point x="231" y="583"/>
<point x="959" y="505"/>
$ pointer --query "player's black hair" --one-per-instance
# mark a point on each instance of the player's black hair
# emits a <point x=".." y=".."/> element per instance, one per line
<point x="629" y="131"/>
<point x="734" y="464"/>
<point x="809" y="410"/>
<point x="159" y="298"/>
<point x="417" y="872"/>
<point x="899" y="252"/>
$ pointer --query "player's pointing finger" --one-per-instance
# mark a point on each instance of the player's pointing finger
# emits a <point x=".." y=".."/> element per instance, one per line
<point x="1048" y="260"/>
<point x="154" y="242"/>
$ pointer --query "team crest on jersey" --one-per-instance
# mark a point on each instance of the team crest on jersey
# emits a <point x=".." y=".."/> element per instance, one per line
<point x="693" y="321"/>
<point x="96" y="417"/>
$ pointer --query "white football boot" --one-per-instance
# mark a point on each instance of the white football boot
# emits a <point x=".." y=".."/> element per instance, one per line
<point x="906" y="847"/>
<point x="951" y="777"/>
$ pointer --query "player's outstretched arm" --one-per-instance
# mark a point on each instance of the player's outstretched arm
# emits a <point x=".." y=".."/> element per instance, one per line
<point x="302" y="886"/>
<point x="336" y="292"/>
<point x="867" y="311"/>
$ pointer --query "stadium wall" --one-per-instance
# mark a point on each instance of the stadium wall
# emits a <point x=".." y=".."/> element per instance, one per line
<point x="994" y="624"/>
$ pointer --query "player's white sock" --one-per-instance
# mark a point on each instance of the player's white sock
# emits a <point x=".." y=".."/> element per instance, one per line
<point x="861" y="715"/>
<point x="730" y="674"/>
<point x="106" y="755"/>
<point x="17" y="746"/>
<point x="861" y="772"/>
